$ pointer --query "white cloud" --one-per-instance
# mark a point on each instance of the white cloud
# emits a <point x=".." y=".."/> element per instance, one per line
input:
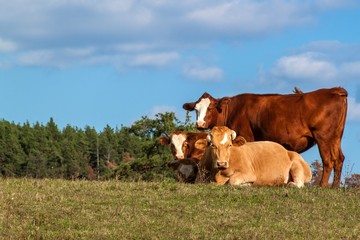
<point x="353" y="110"/>
<point x="133" y="47"/>
<point x="306" y="66"/>
<point x="350" y="69"/>
<point x="79" y="52"/>
<point x="7" y="46"/>
<point x="328" y="4"/>
<point x="204" y="73"/>
<point x="324" y="45"/>
<point x="263" y="16"/>
<point x="62" y="58"/>
<point x="55" y="57"/>
<point x="322" y="61"/>
<point x="253" y="18"/>
<point x="139" y="27"/>
<point x="335" y="50"/>
<point x="37" y="58"/>
<point x="127" y="21"/>
<point x="154" y="59"/>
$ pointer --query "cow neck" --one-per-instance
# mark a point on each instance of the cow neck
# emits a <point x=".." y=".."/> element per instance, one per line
<point x="225" y="113"/>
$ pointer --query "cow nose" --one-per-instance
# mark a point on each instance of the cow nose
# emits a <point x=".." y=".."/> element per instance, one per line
<point x="180" y="156"/>
<point x="200" y="123"/>
<point x="222" y="164"/>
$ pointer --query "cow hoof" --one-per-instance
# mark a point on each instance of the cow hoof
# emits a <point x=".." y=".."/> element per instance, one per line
<point x="292" y="184"/>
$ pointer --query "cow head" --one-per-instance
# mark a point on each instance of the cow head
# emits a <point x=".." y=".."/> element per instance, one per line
<point x="186" y="169"/>
<point x="220" y="141"/>
<point x="207" y="110"/>
<point x="178" y="144"/>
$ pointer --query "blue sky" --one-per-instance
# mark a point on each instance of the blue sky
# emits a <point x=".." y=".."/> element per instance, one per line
<point x="110" y="62"/>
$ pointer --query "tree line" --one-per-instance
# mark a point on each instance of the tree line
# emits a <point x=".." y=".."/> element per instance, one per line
<point x="126" y="153"/>
<point x="45" y="151"/>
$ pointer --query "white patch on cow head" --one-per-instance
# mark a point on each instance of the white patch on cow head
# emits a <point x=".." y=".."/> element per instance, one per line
<point x="178" y="140"/>
<point x="225" y="139"/>
<point x="201" y="109"/>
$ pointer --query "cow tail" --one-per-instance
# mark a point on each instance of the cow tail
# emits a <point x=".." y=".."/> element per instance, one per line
<point x="341" y="96"/>
<point x="343" y="93"/>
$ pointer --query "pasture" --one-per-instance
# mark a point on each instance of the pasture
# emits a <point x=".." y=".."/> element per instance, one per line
<point x="61" y="209"/>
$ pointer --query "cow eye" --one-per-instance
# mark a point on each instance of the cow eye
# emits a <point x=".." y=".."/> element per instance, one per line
<point x="186" y="144"/>
<point x="212" y="146"/>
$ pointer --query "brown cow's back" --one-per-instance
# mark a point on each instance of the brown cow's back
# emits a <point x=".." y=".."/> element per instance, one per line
<point x="271" y="117"/>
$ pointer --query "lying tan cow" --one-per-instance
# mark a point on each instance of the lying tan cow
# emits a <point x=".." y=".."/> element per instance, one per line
<point x="264" y="163"/>
<point x="186" y="155"/>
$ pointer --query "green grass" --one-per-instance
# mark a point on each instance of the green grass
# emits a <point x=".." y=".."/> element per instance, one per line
<point x="59" y="209"/>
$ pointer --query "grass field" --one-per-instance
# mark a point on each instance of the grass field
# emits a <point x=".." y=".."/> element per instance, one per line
<point x="59" y="209"/>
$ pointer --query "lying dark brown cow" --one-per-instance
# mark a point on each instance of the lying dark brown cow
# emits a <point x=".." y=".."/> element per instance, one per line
<point x="263" y="163"/>
<point x="296" y="121"/>
<point x="186" y="155"/>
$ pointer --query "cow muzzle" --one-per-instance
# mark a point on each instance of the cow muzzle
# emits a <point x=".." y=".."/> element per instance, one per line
<point x="179" y="156"/>
<point x="222" y="164"/>
<point x="200" y="124"/>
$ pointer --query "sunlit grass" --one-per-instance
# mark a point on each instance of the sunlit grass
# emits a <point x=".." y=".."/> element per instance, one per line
<point x="59" y="209"/>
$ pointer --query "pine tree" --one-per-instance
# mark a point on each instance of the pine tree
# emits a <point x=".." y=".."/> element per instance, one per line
<point x="91" y="148"/>
<point x="12" y="156"/>
<point x="73" y="151"/>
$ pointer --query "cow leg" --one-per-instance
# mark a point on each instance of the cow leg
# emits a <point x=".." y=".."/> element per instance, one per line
<point x="297" y="174"/>
<point x="240" y="179"/>
<point x="220" y="179"/>
<point x="338" y="165"/>
<point x="327" y="165"/>
<point x="300" y="172"/>
<point x="332" y="158"/>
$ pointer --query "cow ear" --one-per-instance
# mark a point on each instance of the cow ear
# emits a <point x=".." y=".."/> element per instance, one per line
<point x="239" y="140"/>
<point x="189" y="106"/>
<point x="201" y="144"/>
<point x="206" y="95"/>
<point x="164" y="141"/>
<point x="174" y="164"/>
<point x="220" y="104"/>
<point x="208" y="138"/>
<point x="233" y="135"/>
<point x="190" y="138"/>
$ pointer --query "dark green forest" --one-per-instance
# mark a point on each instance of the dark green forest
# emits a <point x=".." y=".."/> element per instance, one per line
<point x="127" y="153"/>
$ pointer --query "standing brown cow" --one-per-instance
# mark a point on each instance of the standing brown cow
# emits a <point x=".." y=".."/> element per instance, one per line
<point x="296" y="121"/>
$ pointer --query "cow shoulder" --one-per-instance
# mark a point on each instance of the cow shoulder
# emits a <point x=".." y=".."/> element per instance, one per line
<point x="222" y="103"/>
